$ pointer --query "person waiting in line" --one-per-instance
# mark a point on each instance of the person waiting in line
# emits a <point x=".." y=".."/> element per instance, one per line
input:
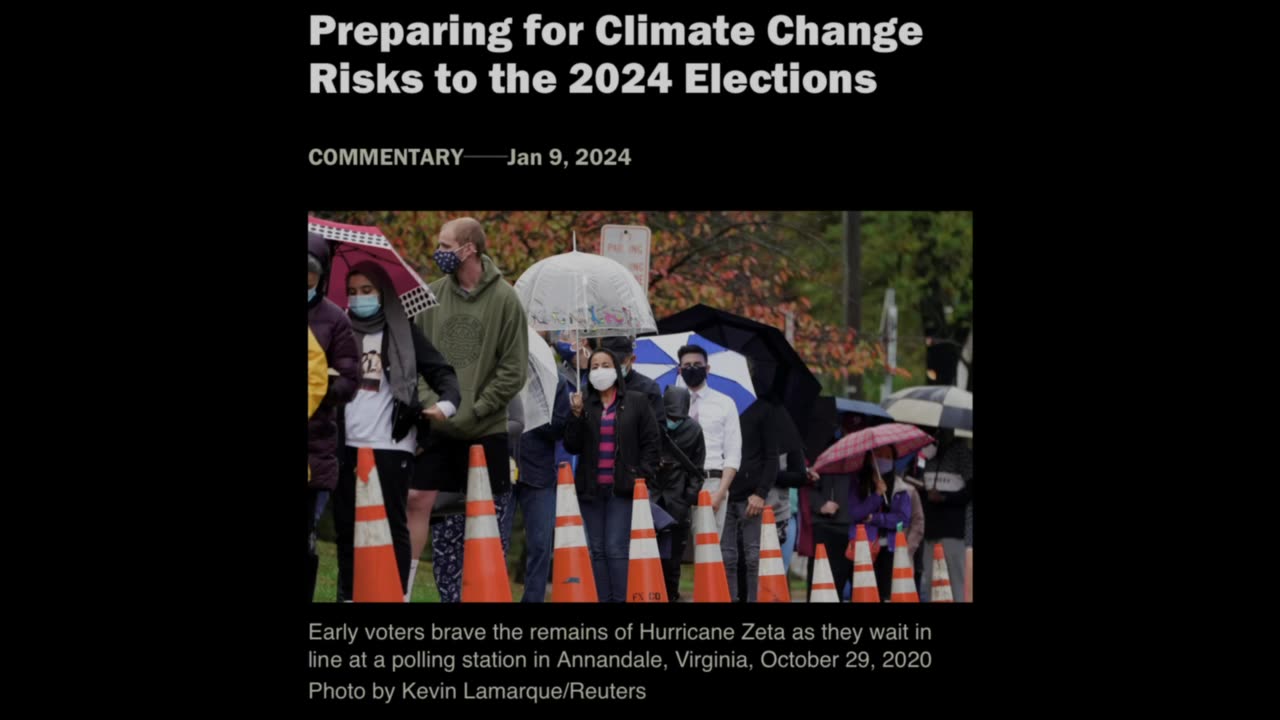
<point x="614" y="435"/>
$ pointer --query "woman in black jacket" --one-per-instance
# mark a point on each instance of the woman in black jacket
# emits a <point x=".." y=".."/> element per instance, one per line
<point x="615" y="436"/>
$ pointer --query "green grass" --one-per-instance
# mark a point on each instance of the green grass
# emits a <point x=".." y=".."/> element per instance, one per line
<point x="686" y="584"/>
<point x="424" y="584"/>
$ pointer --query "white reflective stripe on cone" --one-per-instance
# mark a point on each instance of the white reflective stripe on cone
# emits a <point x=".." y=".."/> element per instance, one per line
<point x="478" y="485"/>
<point x="704" y="521"/>
<point x="861" y="554"/>
<point x="866" y="578"/>
<point x="646" y="549"/>
<point x="941" y="585"/>
<point x="570" y="536"/>
<point x="567" y="501"/>
<point x="707" y="553"/>
<point x="479" y="528"/>
<point x="827" y="595"/>
<point x="771" y="566"/>
<point x="372" y="533"/>
<point x="641" y="517"/>
<point x="369" y="494"/>
<point x="822" y="573"/>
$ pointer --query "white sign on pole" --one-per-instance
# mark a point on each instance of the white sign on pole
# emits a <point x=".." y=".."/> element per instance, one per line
<point x="629" y="245"/>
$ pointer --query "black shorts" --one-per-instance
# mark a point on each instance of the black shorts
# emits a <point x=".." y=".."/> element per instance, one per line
<point x="444" y="463"/>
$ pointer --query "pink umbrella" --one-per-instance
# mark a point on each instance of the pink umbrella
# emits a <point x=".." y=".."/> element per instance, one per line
<point x="848" y="454"/>
<point x="354" y="244"/>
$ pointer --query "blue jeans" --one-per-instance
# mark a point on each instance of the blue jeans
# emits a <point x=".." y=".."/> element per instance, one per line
<point x="607" y="520"/>
<point x="539" y="508"/>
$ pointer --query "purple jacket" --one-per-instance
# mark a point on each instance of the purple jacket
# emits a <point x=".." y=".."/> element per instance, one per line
<point x="332" y="329"/>
<point x="881" y="521"/>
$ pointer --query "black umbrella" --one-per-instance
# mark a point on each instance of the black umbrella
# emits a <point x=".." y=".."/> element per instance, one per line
<point x="778" y="371"/>
<point x="822" y="427"/>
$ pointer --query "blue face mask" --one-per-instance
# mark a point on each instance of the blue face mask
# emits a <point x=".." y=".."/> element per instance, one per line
<point x="364" y="305"/>
<point x="311" y="294"/>
<point x="673" y="424"/>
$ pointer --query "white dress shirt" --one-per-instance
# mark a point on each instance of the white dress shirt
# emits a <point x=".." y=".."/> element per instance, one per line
<point x="718" y="416"/>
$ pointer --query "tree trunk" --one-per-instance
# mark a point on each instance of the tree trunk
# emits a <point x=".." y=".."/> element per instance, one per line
<point x="853" y="280"/>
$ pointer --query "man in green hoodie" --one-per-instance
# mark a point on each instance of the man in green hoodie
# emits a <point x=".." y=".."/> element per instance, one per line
<point x="480" y="327"/>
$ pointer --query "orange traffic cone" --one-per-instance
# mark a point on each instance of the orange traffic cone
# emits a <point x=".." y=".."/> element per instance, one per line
<point x="864" y="575"/>
<point x="940" y="591"/>
<point x="772" y="585"/>
<point x="824" y="585"/>
<point x="376" y="576"/>
<point x="903" y="588"/>
<point x="484" y="566"/>
<point x="645" y="582"/>
<point x="572" y="579"/>
<point x="709" y="581"/>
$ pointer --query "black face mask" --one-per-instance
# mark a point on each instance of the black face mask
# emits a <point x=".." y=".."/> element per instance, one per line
<point x="693" y="377"/>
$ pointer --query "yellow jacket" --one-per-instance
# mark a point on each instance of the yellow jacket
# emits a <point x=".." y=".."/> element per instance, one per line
<point x="317" y="374"/>
<point x="317" y="378"/>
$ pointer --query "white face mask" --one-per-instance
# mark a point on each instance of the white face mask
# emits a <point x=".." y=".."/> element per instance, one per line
<point x="603" y="378"/>
<point x="885" y="466"/>
<point x="929" y="452"/>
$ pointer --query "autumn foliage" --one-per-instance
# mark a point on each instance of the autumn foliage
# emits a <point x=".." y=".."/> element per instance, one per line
<point x="728" y="260"/>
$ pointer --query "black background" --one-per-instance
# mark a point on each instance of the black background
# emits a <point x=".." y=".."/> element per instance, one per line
<point x="909" y="145"/>
<point x="921" y="141"/>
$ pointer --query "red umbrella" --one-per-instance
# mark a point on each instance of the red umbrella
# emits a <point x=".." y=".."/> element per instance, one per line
<point x="353" y="244"/>
<point x="848" y="454"/>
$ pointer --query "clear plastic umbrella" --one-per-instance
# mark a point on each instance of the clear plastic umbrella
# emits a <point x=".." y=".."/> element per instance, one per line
<point x="586" y="294"/>
<point x="590" y="294"/>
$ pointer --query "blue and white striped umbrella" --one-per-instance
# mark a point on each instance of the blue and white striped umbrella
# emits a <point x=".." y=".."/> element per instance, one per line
<point x="656" y="359"/>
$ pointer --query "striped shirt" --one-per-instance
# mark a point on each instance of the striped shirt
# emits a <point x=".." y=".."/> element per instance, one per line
<point x="604" y="475"/>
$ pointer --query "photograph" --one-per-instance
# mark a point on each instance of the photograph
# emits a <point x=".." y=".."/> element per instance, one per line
<point x="642" y="406"/>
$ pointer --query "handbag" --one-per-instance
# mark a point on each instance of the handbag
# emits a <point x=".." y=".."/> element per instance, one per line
<point x="404" y="417"/>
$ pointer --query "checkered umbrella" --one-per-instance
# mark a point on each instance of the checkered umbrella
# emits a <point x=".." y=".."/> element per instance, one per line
<point x="354" y="244"/>
<point x="848" y="454"/>
<point x="940" y="406"/>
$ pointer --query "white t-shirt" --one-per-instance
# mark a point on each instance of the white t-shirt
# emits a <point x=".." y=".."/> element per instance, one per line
<point x="370" y="414"/>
